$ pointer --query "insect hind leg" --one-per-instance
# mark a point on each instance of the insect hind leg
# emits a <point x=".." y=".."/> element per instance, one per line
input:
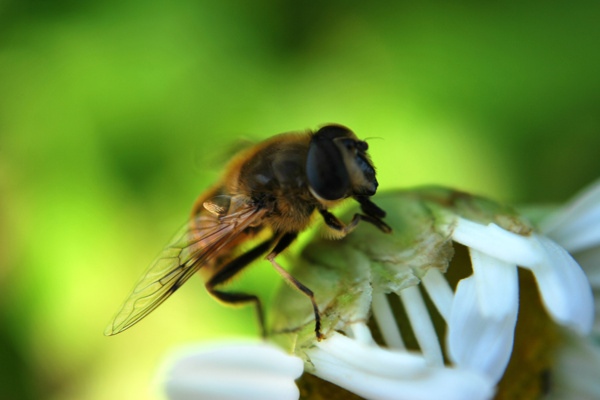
<point x="283" y="243"/>
<point x="230" y="270"/>
<point x="237" y="298"/>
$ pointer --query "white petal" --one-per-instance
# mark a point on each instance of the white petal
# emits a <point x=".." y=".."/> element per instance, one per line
<point x="421" y="324"/>
<point x="234" y="371"/>
<point x="382" y="312"/>
<point x="497" y="242"/>
<point x="589" y="260"/>
<point x="497" y="285"/>
<point x="576" y="371"/>
<point x="390" y="363"/>
<point x="596" y="327"/>
<point x="378" y="374"/>
<point x="252" y="356"/>
<point x="475" y="342"/>
<point x="581" y="234"/>
<point x="439" y="292"/>
<point x="577" y="225"/>
<point x="360" y="331"/>
<point x="565" y="290"/>
<point x="212" y="385"/>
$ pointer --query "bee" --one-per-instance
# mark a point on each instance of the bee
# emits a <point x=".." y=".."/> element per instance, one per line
<point x="270" y="191"/>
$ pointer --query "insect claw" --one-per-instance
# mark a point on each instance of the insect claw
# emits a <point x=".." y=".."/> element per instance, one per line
<point x="320" y="336"/>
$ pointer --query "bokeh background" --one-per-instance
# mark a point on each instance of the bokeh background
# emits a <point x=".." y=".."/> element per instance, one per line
<point x="115" y="115"/>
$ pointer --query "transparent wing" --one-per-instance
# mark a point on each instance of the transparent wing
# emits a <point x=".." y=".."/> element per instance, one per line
<point x="196" y="243"/>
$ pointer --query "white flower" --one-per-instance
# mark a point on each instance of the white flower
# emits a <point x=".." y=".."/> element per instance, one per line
<point x="364" y="368"/>
<point x="484" y="311"/>
<point x="352" y="277"/>
<point x="481" y="318"/>
<point x="233" y="371"/>
<point x="576" y="226"/>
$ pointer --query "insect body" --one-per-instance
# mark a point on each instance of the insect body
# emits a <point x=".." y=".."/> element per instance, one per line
<point x="271" y="191"/>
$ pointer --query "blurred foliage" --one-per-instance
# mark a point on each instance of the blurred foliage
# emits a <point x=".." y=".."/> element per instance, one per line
<point x="114" y="117"/>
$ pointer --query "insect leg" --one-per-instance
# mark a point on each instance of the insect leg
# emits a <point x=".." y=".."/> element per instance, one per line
<point x="238" y="298"/>
<point x="374" y="212"/>
<point x="370" y="208"/>
<point x="283" y="243"/>
<point x="230" y="270"/>
<point x="334" y="223"/>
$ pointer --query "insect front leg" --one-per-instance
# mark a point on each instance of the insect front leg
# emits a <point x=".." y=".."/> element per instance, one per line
<point x="370" y="208"/>
<point x="339" y="227"/>
<point x="230" y="270"/>
<point x="283" y="243"/>
<point x="373" y="214"/>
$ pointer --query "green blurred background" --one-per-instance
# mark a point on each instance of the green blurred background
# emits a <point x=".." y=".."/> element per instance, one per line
<point x="115" y="115"/>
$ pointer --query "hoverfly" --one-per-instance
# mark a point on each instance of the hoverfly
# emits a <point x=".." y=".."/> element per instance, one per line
<point x="274" y="187"/>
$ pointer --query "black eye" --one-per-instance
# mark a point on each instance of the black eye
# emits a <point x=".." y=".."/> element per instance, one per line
<point x="325" y="169"/>
<point x="349" y="144"/>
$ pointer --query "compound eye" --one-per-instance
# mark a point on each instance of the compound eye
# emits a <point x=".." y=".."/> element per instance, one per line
<point x="325" y="169"/>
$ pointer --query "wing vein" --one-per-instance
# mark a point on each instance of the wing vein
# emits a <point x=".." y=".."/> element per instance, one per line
<point x="193" y="246"/>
